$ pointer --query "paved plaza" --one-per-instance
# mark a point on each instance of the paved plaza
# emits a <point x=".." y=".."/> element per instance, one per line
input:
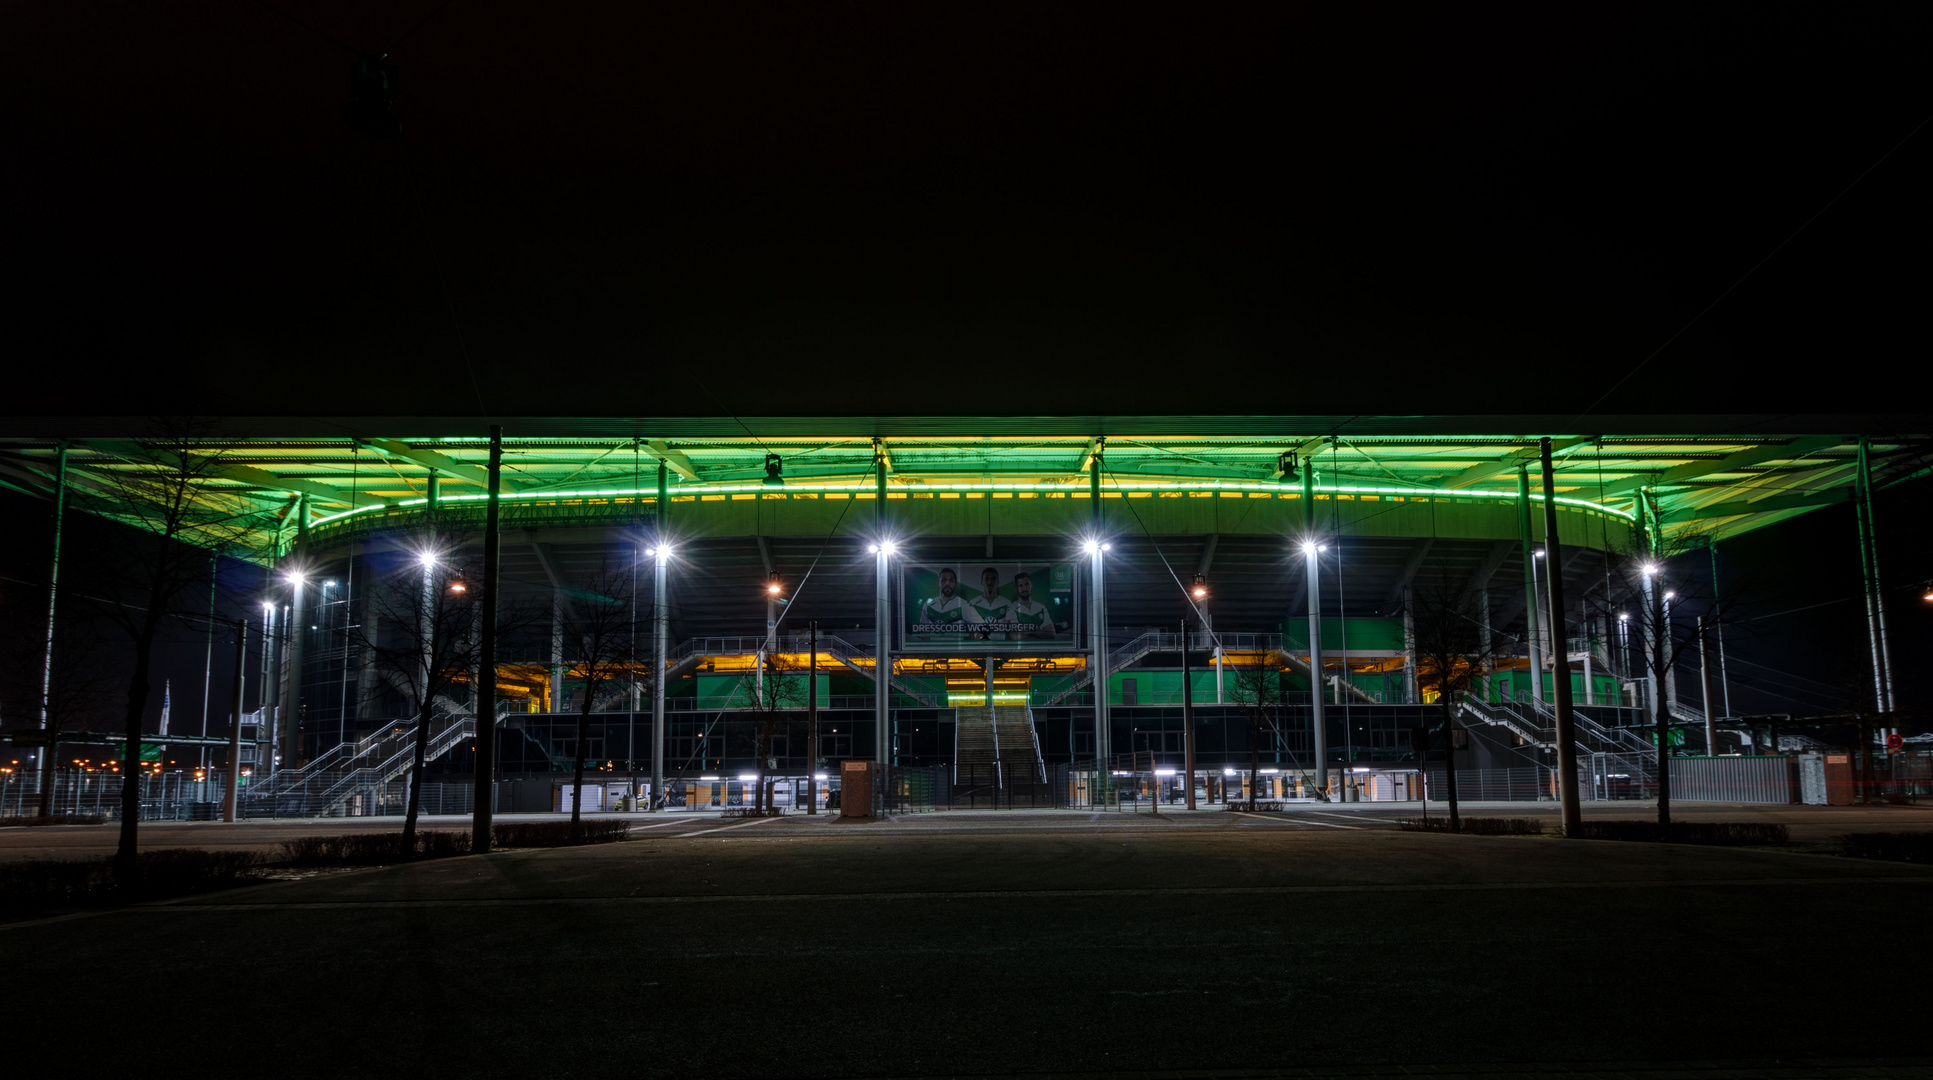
<point x="1013" y="943"/>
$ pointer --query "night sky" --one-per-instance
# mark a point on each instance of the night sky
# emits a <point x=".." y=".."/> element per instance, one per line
<point x="853" y="209"/>
<point x="866" y="208"/>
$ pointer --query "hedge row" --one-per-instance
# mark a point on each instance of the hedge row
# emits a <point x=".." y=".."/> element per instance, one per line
<point x="380" y="849"/>
<point x="1480" y="826"/>
<point x="1894" y="846"/>
<point x="36" y="884"/>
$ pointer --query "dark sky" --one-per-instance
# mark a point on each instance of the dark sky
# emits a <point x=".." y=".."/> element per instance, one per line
<point x="969" y="208"/>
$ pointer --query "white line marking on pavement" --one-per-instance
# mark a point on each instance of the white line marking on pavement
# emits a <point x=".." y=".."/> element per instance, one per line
<point x="1352" y="817"/>
<point x="725" y="828"/>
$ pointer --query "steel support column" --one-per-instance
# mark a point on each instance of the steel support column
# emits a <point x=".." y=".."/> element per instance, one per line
<point x="1097" y="624"/>
<point x="1530" y="586"/>
<point x="660" y="632"/>
<point x="483" y="799"/>
<point x="1561" y="682"/>
<point x="49" y="754"/>
<point x="882" y="617"/>
<point x="1875" y="600"/>
<point x="230" y="797"/>
<point x="1312" y="575"/>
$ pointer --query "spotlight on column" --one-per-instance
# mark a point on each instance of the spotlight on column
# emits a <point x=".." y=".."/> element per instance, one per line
<point x="459" y="587"/>
<point x="428" y="559"/>
<point x="1287" y="463"/>
<point x="1308" y="547"/>
<point x="772" y="583"/>
<point x="1091" y="546"/>
<point x="296" y="577"/>
<point x="1200" y="589"/>
<point x="1649" y="568"/>
<point x="773" y="467"/>
<point x="1624" y="616"/>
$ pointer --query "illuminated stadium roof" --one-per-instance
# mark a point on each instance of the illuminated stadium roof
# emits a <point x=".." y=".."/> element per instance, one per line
<point x="1718" y="476"/>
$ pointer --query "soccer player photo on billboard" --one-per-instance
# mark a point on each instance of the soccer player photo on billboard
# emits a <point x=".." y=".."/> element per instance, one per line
<point x="940" y="611"/>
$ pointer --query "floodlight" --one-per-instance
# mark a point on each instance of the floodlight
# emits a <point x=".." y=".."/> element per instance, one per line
<point x="772" y="583"/>
<point x="1286" y="463"/>
<point x="428" y="559"/>
<point x="1538" y="554"/>
<point x="1670" y="595"/>
<point x="1091" y="546"/>
<point x="1624" y="616"/>
<point x="1308" y="547"/>
<point x="774" y="465"/>
<point x="458" y="586"/>
<point x="295" y="577"/>
<point x="1201" y="586"/>
<point x="1649" y="568"/>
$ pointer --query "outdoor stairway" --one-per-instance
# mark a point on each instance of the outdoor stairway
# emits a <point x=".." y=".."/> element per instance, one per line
<point x="976" y="748"/>
<point x="369" y="764"/>
<point x="1018" y="744"/>
<point x="1627" y="748"/>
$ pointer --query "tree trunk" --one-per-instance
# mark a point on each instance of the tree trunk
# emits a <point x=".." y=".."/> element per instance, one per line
<point x="416" y="780"/>
<point x="1449" y="761"/>
<point x="131" y="750"/>
<point x="577" y="778"/>
<point x="1661" y="728"/>
<point x="49" y="758"/>
<point x="1254" y="760"/>
<point x="764" y="755"/>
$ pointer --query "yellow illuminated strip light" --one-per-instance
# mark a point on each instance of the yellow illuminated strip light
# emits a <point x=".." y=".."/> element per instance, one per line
<point x="856" y="488"/>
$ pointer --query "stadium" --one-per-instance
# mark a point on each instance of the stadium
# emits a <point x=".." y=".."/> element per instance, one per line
<point x="991" y="611"/>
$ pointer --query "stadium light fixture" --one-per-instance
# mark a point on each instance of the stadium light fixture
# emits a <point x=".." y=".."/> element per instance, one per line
<point x="772" y="587"/>
<point x="1090" y="546"/>
<point x="1200" y="589"/>
<point x="1649" y="568"/>
<point x="774" y="467"/>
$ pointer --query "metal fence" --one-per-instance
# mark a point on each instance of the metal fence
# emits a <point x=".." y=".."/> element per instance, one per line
<point x="164" y="797"/>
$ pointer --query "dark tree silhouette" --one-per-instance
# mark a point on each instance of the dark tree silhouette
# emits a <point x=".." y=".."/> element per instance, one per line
<point x="1453" y="648"/>
<point x="598" y="644"/>
<point x="775" y="696"/>
<point x="170" y="488"/>
<point x="419" y="632"/>
<point x="1263" y="698"/>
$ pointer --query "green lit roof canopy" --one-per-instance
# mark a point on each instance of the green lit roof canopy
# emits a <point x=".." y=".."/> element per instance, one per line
<point x="1716" y="476"/>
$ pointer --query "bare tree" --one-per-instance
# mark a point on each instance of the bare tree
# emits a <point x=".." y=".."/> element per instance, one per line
<point x="419" y="633"/>
<point x="1654" y="608"/>
<point x="1453" y="647"/>
<point x="169" y="488"/>
<point x="598" y="645"/>
<point x="776" y="695"/>
<point x="1263" y="698"/>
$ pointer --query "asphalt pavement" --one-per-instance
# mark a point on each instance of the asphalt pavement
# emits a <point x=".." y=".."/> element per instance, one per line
<point x="1052" y="943"/>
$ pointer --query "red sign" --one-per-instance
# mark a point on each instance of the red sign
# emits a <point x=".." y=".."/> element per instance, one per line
<point x="1894" y="743"/>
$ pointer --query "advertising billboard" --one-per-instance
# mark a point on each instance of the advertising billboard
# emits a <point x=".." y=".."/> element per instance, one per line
<point x="979" y="607"/>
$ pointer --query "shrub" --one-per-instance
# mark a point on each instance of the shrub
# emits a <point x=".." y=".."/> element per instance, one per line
<point x="558" y="833"/>
<point x="370" y="849"/>
<point x="55" y="819"/>
<point x="1502" y="826"/>
<point x="1914" y="847"/>
<point x="37" y="884"/>
<point x="1721" y="833"/>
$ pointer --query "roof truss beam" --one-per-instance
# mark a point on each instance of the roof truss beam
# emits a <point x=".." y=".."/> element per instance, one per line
<point x="437" y="463"/>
